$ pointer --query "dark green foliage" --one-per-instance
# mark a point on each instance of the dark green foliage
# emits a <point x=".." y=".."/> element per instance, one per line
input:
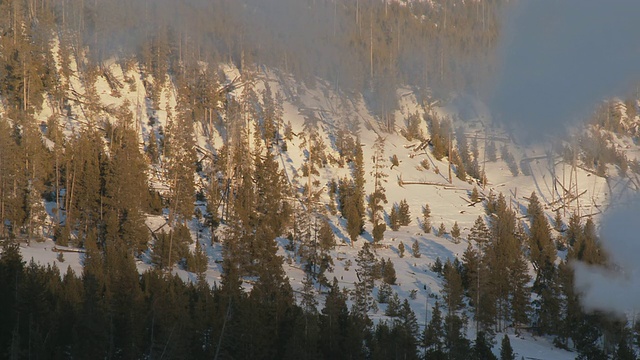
<point x="384" y="293"/>
<point x="624" y="350"/>
<point x="437" y="266"/>
<point x="388" y="272"/>
<point x="393" y="305"/>
<point x="456" y="345"/>
<point x="433" y="337"/>
<point x="404" y="213"/>
<point x="506" y="351"/>
<point x="452" y="290"/>
<point x="367" y="269"/>
<point x="198" y="262"/>
<point x="350" y="198"/>
<point x="401" y="249"/>
<point x="482" y="347"/>
<point x="426" y="219"/>
<point x="394" y="218"/>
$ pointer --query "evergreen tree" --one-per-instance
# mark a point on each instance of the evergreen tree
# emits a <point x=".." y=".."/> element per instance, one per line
<point x="415" y="249"/>
<point x="480" y="233"/>
<point x="363" y="300"/>
<point x="455" y="232"/>
<point x="393" y="305"/>
<point x="482" y="347"/>
<point x="404" y="214"/>
<point x="426" y="219"/>
<point x="394" y="218"/>
<point x="474" y="195"/>
<point x="378" y="196"/>
<point x="334" y="323"/>
<point x="574" y="230"/>
<point x="543" y="256"/>
<point x="558" y="224"/>
<point x="358" y="193"/>
<point x="456" y="344"/>
<point x="452" y="290"/>
<point x="388" y="272"/>
<point x="506" y="351"/>
<point x="401" y="249"/>
<point x="491" y="151"/>
<point x="433" y="338"/>
<point x="199" y="261"/>
<point x="470" y="273"/>
<point x="624" y="350"/>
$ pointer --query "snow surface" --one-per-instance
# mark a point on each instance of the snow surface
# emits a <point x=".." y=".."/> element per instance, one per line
<point x="449" y="202"/>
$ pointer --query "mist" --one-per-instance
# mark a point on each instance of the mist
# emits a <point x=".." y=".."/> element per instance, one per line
<point x="558" y="59"/>
<point x="618" y="289"/>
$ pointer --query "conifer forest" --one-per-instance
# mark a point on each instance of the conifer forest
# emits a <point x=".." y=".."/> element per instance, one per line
<point x="295" y="179"/>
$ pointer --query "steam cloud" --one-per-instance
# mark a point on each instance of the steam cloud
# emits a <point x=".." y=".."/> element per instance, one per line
<point x="607" y="290"/>
<point x="560" y="58"/>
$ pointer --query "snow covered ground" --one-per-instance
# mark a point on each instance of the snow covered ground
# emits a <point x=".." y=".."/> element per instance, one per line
<point x="410" y="181"/>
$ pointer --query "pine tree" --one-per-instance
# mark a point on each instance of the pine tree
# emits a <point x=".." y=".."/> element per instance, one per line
<point x="452" y="290"/>
<point x="326" y="241"/>
<point x="426" y="219"/>
<point x="518" y="277"/>
<point x="509" y="295"/>
<point x="441" y="230"/>
<point x="415" y="249"/>
<point x="199" y="261"/>
<point x="388" y="272"/>
<point x="404" y="214"/>
<point x="126" y="187"/>
<point x="363" y="301"/>
<point x="394" y="218"/>
<point x="349" y="199"/>
<point x="408" y="320"/>
<point x="455" y="232"/>
<point x="543" y="256"/>
<point x="456" y="344"/>
<point x="401" y="249"/>
<point x="506" y="351"/>
<point x="557" y="222"/>
<point x="480" y="233"/>
<point x="393" y="306"/>
<point x="332" y="321"/>
<point x="624" y="350"/>
<point x="474" y="195"/>
<point x="384" y="293"/>
<point x="482" y="347"/>
<point x="378" y="196"/>
<point x="574" y="230"/>
<point x="433" y="337"/>
<point x="470" y="269"/>
<point x="358" y="187"/>
<point x="492" y="154"/>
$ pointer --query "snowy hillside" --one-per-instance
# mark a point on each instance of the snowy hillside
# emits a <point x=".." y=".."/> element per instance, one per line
<point x="419" y="178"/>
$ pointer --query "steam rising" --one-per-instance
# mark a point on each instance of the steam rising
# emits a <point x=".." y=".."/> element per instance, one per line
<point x="560" y="58"/>
<point x="617" y="291"/>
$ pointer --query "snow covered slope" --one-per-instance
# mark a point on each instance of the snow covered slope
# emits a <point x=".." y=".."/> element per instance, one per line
<point x="419" y="178"/>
